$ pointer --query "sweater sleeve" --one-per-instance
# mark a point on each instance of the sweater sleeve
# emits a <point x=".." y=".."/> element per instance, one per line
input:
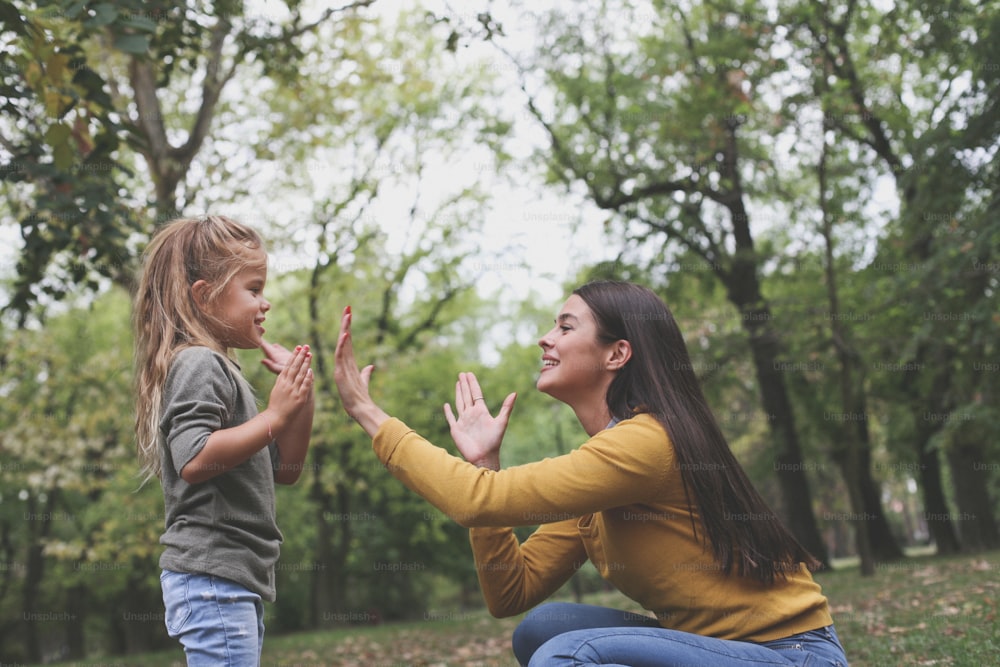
<point x="619" y="466"/>
<point x="515" y="577"/>
<point x="198" y="399"/>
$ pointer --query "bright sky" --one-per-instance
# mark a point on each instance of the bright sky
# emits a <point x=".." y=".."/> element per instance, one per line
<point x="532" y="240"/>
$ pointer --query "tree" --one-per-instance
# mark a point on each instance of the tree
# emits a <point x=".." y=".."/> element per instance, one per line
<point x="82" y="539"/>
<point x="75" y="127"/>
<point x="933" y="152"/>
<point x="60" y="141"/>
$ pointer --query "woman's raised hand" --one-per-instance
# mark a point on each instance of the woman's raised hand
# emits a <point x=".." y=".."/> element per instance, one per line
<point x="352" y="384"/>
<point x="477" y="434"/>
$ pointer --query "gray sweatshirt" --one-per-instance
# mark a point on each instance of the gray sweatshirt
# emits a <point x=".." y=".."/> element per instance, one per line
<point x="226" y="525"/>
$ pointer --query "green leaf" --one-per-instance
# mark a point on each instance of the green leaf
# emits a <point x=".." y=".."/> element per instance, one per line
<point x="73" y="9"/>
<point x="104" y="14"/>
<point x="141" y="23"/>
<point x="57" y="134"/>
<point x="132" y="43"/>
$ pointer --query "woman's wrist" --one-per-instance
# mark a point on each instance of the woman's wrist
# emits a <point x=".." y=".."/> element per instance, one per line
<point x="370" y="416"/>
<point x="491" y="462"/>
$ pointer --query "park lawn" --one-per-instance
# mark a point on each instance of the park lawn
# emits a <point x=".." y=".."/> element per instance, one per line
<point x="924" y="610"/>
<point x="919" y="611"/>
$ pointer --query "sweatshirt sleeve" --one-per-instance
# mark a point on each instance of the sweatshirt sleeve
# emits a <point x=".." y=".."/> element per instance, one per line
<point x="515" y="577"/>
<point x="198" y="399"/>
<point x="619" y="466"/>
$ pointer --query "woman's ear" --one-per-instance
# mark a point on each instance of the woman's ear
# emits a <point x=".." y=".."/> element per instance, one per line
<point x="199" y="291"/>
<point x="621" y="352"/>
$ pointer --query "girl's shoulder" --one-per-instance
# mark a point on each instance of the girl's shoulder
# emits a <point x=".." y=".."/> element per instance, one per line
<point x="199" y="368"/>
<point x="197" y="354"/>
<point x="198" y="359"/>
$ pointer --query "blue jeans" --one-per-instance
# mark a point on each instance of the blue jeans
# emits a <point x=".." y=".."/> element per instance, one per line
<point x="562" y="634"/>
<point x="217" y="621"/>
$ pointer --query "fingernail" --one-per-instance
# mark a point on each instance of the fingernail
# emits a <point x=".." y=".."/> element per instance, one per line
<point x="348" y="310"/>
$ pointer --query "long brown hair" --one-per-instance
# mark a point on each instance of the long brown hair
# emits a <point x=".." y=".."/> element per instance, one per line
<point x="165" y="317"/>
<point x="659" y="380"/>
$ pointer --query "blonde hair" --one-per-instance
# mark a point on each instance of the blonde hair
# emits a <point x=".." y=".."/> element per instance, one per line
<point x="165" y="316"/>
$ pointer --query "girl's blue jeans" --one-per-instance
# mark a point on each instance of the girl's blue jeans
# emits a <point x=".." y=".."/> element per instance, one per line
<point x="217" y="621"/>
<point x="561" y="634"/>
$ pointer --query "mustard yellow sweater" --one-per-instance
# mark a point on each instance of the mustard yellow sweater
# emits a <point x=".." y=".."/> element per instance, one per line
<point x="617" y="500"/>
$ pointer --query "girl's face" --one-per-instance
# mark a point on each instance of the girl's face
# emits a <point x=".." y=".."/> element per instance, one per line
<point x="575" y="364"/>
<point x="241" y="308"/>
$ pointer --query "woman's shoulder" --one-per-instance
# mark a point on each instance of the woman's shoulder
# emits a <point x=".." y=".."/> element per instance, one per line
<point x="640" y="430"/>
<point x="642" y="422"/>
<point x="639" y="444"/>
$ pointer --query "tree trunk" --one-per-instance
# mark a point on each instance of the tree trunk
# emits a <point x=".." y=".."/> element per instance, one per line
<point x="333" y="531"/>
<point x="324" y="600"/>
<point x="792" y="480"/>
<point x="744" y="291"/>
<point x="970" y="478"/>
<point x="884" y="545"/>
<point x="76" y="609"/>
<point x="34" y="573"/>
<point x="936" y="512"/>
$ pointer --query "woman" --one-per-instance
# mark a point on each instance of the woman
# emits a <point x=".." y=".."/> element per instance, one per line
<point x="654" y="499"/>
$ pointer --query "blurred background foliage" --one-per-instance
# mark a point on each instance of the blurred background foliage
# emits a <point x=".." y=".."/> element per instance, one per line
<point x="811" y="186"/>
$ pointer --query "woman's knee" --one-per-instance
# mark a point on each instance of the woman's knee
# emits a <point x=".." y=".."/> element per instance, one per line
<point x="539" y="625"/>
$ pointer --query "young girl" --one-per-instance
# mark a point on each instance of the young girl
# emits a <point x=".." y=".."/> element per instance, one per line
<point x="201" y="294"/>
<point x="654" y="499"/>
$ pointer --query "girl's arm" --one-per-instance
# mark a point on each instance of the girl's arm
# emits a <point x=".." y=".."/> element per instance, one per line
<point x="293" y="447"/>
<point x="229" y="447"/>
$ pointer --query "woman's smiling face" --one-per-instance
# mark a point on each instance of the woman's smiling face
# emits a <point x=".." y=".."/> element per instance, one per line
<point x="574" y="361"/>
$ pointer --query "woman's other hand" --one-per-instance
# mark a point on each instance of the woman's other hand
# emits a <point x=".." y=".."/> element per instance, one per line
<point x="477" y="434"/>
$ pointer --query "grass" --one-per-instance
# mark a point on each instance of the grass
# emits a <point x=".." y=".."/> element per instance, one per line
<point x="920" y="611"/>
<point x="925" y="610"/>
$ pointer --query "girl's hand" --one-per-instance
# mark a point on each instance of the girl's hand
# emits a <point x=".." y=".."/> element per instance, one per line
<point x="477" y="434"/>
<point x="352" y="384"/>
<point x="293" y="389"/>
